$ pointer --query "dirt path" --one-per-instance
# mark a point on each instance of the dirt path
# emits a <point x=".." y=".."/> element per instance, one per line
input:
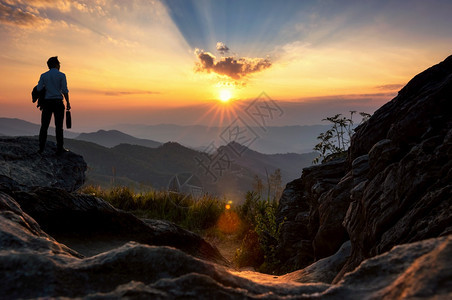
<point x="227" y="245"/>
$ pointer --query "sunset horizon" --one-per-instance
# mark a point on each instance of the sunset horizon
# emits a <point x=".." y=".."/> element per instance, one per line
<point x="155" y="62"/>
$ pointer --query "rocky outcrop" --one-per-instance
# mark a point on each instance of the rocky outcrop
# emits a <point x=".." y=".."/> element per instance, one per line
<point x="34" y="265"/>
<point x="20" y="231"/>
<point x="325" y="269"/>
<point x="20" y="161"/>
<point x="394" y="187"/>
<point x="407" y="194"/>
<point x="85" y="222"/>
<point x="306" y="214"/>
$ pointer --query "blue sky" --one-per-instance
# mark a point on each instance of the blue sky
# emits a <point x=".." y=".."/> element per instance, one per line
<point x="258" y="26"/>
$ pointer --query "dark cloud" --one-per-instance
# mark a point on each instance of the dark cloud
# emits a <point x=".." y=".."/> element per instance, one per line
<point x="16" y="16"/>
<point x="235" y="68"/>
<point x="222" y="48"/>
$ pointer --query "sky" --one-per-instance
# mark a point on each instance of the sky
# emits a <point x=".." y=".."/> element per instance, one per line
<point x="205" y="61"/>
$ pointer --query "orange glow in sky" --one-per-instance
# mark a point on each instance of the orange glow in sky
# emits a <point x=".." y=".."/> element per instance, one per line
<point x="130" y="62"/>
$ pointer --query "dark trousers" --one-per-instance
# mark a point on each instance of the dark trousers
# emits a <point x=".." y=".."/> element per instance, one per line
<point x="55" y="107"/>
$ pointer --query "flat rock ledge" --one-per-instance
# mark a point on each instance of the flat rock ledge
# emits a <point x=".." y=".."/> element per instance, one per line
<point x="20" y="161"/>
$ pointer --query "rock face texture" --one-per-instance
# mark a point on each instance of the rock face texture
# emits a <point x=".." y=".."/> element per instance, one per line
<point x="395" y="186"/>
<point x="407" y="195"/>
<point x="84" y="221"/>
<point x="20" y="161"/>
<point x="299" y="212"/>
<point x="33" y="265"/>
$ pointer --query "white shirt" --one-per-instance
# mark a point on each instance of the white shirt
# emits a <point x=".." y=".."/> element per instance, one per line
<point x="55" y="83"/>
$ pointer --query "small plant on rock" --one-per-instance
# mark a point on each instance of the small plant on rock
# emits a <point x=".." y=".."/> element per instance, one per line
<point x="336" y="140"/>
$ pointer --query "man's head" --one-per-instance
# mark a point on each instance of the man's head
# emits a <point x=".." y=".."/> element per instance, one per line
<point x="53" y="62"/>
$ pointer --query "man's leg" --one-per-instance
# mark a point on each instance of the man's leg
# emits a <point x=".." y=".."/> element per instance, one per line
<point x="46" y="115"/>
<point x="59" y="118"/>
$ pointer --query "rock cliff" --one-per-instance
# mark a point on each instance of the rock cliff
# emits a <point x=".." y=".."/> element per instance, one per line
<point x="394" y="187"/>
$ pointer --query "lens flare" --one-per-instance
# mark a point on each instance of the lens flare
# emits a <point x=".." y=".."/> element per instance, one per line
<point x="228" y="222"/>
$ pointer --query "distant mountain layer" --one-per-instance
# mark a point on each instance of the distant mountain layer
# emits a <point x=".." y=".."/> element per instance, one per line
<point x="18" y="127"/>
<point x="113" y="138"/>
<point x="116" y="158"/>
<point x="269" y="140"/>
<point x="222" y="173"/>
<point x="272" y="139"/>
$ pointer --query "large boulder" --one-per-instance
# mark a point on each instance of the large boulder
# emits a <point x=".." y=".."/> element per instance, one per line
<point x="19" y="160"/>
<point x="419" y="270"/>
<point x="90" y="225"/>
<point x="323" y="270"/>
<point x="19" y="231"/>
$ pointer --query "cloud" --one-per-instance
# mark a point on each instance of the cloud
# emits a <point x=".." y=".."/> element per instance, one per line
<point x="128" y="93"/>
<point x="235" y="68"/>
<point x="18" y="17"/>
<point x="390" y="87"/>
<point x="222" y="48"/>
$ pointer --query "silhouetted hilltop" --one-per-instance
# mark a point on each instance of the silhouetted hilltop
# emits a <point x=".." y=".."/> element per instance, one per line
<point x="275" y="139"/>
<point x="111" y="138"/>
<point x="263" y="164"/>
<point x="143" y="167"/>
<point x="18" y="127"/>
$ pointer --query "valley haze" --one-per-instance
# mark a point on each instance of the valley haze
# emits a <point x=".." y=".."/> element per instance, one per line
<point x="226" y="168"/>
<point x="275" y="139"/>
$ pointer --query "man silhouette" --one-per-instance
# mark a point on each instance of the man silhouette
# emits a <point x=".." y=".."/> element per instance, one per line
<point x="55" y="85"/>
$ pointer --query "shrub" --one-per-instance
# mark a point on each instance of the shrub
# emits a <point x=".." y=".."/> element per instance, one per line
<point x="261" y="218"/>
<point x="336" y="140"/>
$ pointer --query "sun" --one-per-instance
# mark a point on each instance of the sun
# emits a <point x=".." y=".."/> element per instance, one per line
<point x="225" y="95"/>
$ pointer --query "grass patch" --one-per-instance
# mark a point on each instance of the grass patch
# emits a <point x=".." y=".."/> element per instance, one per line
<point x="249" y="230"/>
<point x="195" y="214"/>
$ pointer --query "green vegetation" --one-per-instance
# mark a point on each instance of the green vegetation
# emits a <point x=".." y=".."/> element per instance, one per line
<point x="335" y="141"/>
<point x="263" y="231"/>
<point x="193" y="214"/>
<point x="253" y="224"/>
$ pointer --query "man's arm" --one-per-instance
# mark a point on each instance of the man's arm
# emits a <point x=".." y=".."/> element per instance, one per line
<point x="66" y="96"/>
<point x="40" y="85"/>
<point x="65" y="91"/>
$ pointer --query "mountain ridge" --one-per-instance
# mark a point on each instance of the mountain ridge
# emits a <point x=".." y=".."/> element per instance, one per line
<point x="273" y="140"/>
<point x="111" y="138"/>
<point x="142" y="167"/>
